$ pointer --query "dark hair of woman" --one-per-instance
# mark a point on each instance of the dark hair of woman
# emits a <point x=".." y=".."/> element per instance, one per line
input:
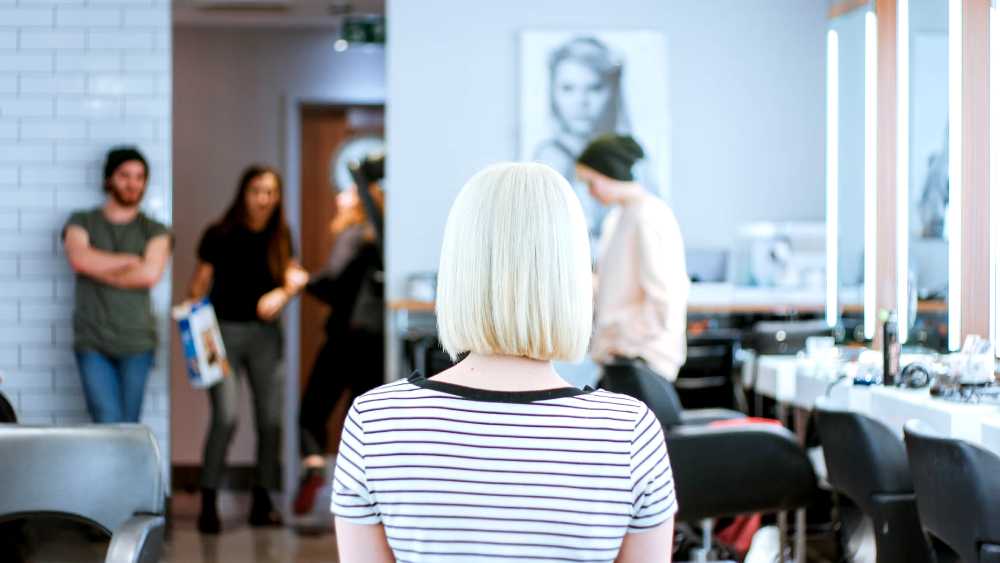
<point x="278" y="234"/>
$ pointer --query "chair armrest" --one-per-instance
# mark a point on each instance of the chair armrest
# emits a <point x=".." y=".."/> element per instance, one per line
<point x="138" y="540"/>
<point x="701" y="417"/>
<point x="989" y="553"/>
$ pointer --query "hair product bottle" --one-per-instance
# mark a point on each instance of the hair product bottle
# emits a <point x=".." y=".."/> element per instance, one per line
<point x="890" y="348"/>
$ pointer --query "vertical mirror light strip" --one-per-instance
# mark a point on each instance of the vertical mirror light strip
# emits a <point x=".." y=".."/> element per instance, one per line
<point x="954" y="216"/>
<point x="994" y="142"/>
<point x="903" y="167"/>
<point x="832" y="175"/>
<point x="871" y="193"/>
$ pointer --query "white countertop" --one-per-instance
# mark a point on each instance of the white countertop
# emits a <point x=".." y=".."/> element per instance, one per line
<point x="797" y="381"/>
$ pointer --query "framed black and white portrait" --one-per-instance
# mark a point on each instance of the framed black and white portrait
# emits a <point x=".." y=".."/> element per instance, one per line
<point x="577" y="85"/>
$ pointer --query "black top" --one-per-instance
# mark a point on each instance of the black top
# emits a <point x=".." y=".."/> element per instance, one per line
<point x="341" y="289"/>
<point x="492" y="396"/>
<point x="241" y="274"/>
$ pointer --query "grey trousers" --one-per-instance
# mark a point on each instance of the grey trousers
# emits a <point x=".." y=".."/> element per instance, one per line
<point x="254" y="349"/>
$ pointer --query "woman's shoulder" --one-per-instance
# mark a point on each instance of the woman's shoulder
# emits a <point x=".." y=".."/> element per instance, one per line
<point x="388" y="391"/>
<point x="605" y="397"/>
<point x="217" y="231"/>
<point x="655" y="213"/>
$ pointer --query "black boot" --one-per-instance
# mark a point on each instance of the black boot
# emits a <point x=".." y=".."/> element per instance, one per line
<point x="208" y="520"/>
<point x="262" y="512"/>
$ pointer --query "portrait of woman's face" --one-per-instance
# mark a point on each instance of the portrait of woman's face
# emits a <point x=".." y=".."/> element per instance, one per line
<point x="580" y="96"/>
<point x="578" y="84"/>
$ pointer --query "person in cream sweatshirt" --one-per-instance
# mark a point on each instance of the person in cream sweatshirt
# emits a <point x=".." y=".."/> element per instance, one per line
<point x="642" y="284"/>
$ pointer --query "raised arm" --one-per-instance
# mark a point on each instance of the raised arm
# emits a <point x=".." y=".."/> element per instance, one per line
<point x="269" y="306"/>
<point x="89" y="261"/>
<point x="296" y="278"/>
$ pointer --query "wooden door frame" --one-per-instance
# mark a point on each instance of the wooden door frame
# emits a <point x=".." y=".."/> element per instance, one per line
<point x="291" y="168"/>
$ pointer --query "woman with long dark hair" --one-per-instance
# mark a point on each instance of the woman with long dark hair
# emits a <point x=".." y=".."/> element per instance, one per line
<point x="246" y="268"/>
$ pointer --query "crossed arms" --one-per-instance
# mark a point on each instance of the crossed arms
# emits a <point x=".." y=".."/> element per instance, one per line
<point x="121" y="270"/>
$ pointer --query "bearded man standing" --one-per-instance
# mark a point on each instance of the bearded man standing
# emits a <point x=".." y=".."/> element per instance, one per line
<point x="118" y="254"/>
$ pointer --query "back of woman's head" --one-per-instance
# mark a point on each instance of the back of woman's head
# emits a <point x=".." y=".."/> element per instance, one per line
<point x="515" y="275"/>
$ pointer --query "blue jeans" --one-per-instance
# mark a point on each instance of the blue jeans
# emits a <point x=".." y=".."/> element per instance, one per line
<point x="114" y="386"/>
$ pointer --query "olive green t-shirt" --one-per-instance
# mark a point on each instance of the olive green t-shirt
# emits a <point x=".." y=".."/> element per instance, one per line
<point x="107" y="319"/>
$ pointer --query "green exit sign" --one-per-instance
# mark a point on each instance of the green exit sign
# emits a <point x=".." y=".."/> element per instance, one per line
<point x="366" y="29"/>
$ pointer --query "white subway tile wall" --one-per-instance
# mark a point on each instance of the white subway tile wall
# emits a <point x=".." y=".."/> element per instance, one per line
<point x="76" y="77"/>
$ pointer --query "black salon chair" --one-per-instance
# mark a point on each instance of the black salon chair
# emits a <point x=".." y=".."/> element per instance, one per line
<point x="867" y="463"/>
<point x="633" y="378"/>
<point x="736" y="470"/>
<point x="107" y="475"/>
<point x="733" y="470"/>
<point x="958" y="492"/>
<point x="7" y="413"/>
<point x="706" y="378"/>
<point x="720" y="471"/>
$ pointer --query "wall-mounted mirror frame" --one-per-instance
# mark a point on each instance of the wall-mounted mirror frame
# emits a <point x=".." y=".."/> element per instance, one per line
<point x="906" y="294"/>
<point x="842" y="178"/>
<point x="994" y="172"/>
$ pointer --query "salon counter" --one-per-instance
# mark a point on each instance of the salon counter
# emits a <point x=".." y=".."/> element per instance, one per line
<point x="799" y="382"/>
<point x="725" y="298"/>
<point x="710" y="298"/>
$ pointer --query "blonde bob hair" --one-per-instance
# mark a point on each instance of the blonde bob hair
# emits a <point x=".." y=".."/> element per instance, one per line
<point x="515" y="275"/>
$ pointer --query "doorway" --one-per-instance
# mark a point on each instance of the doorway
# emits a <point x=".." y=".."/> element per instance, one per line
<point x="330" y="137"/>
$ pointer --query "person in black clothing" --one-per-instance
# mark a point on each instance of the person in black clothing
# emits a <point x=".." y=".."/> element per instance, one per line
<point x="245" y="266"/>
<point x="353" y="356"/>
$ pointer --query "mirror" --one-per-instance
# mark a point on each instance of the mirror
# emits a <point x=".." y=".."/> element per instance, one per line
<point x="927" y="212"/>
<point x="850" y="167"/>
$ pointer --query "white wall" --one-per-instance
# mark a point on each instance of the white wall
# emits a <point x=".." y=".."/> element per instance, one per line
<point x="75" y="79"/>
<point x="747" y="95"/>
<point x="229" y="96"/>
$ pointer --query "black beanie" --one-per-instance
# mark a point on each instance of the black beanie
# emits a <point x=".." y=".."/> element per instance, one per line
<point x="120" y="155"/>
<point x="612" y="155"/>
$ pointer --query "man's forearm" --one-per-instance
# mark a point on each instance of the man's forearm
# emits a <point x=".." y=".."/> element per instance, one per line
<point x="93" y="263"/>
<point x="132" y="277"/>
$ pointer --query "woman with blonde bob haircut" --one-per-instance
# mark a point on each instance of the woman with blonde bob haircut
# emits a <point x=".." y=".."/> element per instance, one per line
<point x="515" y="275"/>
<point x="498" y="456"/>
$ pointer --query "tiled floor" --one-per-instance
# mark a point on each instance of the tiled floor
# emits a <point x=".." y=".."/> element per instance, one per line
<point x="302" y="541"/>
<point x="239" y="542"/>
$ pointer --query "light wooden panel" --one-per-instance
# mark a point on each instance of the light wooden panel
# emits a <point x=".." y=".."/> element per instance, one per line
<point x="885" y="294"/>
<point x="841" y="8"/>
<point x="975" y="169"/>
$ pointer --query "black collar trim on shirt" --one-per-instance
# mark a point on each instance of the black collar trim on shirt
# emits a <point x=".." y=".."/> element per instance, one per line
<point x="489" y="395"/>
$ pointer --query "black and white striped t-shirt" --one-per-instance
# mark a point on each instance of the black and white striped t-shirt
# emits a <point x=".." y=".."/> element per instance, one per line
<point x="462" y="474"/>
